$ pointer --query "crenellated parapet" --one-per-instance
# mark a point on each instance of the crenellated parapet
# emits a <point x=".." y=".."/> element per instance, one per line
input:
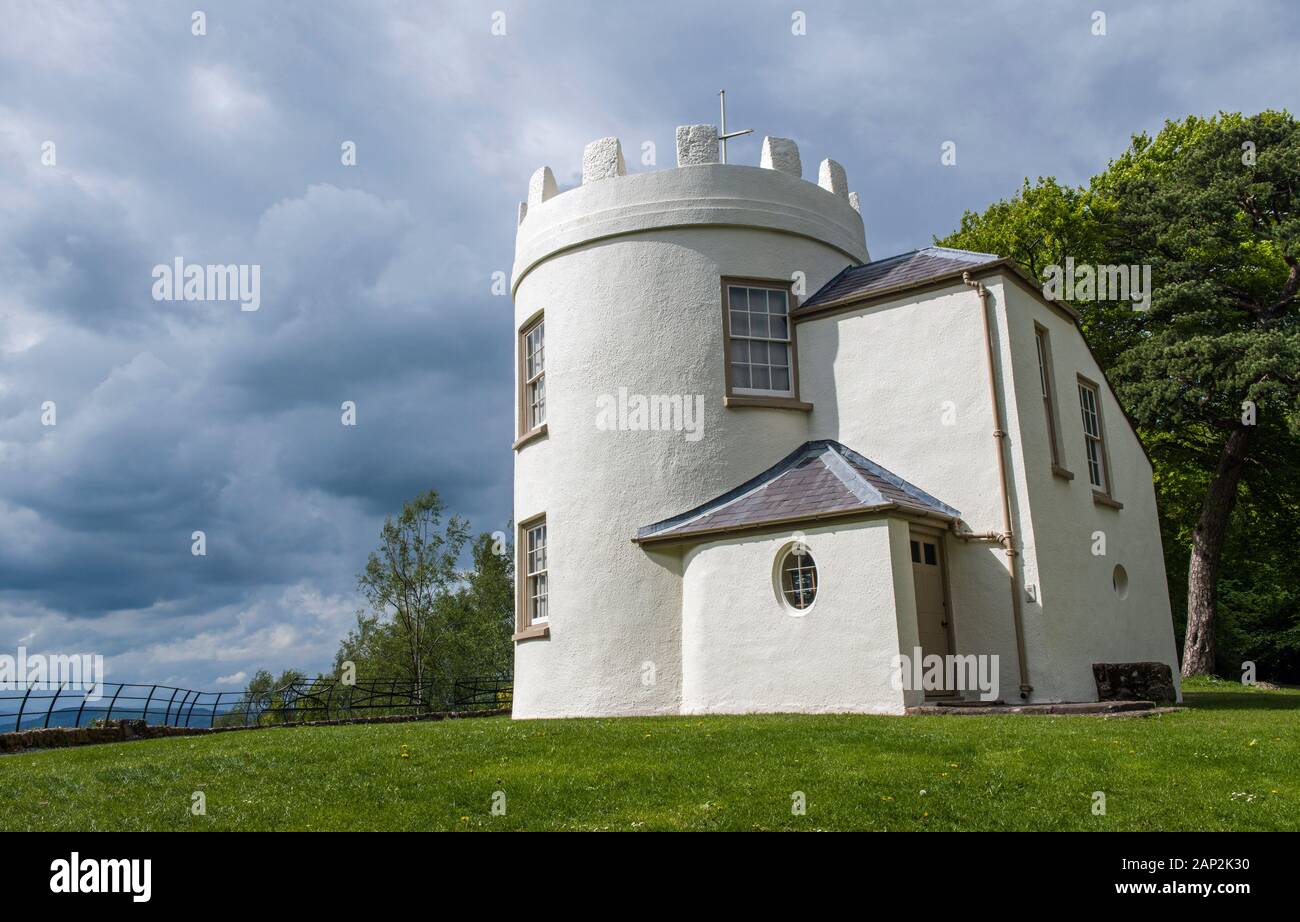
<point x="697" y="145"/>
<point x="602" y="159"/>
<point x="541" y="187"/>
<point x="781" y="154"/>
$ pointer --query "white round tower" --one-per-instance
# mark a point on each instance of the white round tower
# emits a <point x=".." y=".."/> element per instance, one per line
<point x="627" y="410"/>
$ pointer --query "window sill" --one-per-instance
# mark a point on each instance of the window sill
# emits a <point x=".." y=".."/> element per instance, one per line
<point x="775" y="403"/>
<point x="532" y="632"/>
<point x="1062" y="472"/>
<point x="529" y="436"/>
<point x="1101" y="499"/>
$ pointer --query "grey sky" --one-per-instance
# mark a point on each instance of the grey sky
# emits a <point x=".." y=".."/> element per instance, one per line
<point x="225" y="148"/>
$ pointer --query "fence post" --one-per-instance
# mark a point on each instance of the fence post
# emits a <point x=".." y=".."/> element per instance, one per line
<point x="213" y="722"/>
<point x="167" y="715"/>
<point x="152" y="689"/>
<point x="190" y="712"/>
<point x="18" y="725"/>
<point x="50" y="710"/>
<point x="185" y="697"/>
<point x="109" y="715"/>
<point x="84" y="696"/>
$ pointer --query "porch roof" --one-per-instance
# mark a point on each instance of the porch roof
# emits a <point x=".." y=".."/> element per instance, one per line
<point x="818" y="480"/>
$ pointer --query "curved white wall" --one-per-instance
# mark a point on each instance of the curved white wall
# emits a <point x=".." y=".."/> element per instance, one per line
<point x="628" y="273"/>
<point x="743" y="651"/>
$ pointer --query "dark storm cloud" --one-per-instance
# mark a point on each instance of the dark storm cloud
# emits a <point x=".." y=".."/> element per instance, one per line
<point x="183" y="416"/>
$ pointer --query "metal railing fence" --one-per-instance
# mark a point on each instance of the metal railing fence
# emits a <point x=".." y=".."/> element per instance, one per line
<point x="43" y="706"/>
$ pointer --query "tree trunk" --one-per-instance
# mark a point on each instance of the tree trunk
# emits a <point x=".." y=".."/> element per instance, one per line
<point x="1207" y="551"/>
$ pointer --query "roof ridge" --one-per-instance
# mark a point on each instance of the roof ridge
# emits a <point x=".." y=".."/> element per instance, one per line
<point x="833" y="279"/>
<point x="907" y="487"/>
<point x="887" y="259"/>
<point x="854" y="482"/>
<point x="984" y="257"/>
<point x="733" y="495"/>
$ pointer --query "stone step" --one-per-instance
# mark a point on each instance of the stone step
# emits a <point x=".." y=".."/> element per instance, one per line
<point x="1069" y="707"/>
<point x="963" y="703"/>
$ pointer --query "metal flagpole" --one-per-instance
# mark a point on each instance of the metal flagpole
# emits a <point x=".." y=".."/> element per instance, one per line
<point x="723" y="134"/>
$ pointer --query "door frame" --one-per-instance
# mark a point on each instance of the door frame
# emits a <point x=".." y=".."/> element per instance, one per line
<point x="942" y="542"/>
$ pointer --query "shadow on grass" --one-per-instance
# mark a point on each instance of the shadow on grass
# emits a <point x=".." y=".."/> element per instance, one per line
<point x="1241" y="701"/>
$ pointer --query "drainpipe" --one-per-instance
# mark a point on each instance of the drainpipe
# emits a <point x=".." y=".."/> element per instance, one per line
<point x="1008" y="536"/>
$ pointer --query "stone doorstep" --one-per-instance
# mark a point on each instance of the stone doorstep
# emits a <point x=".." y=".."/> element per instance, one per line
<point x="1096" y="708"/>
<point x="963" y="703"/>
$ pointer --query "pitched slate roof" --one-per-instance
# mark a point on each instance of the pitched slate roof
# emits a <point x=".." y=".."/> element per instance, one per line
<point x="815" y="480"/>
<point x="905" y="269"/>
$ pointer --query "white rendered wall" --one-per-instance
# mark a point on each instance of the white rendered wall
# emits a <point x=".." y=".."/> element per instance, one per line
<point x="1078" y="618"/>
<point x="904" y="383"/>
<point x="887" y="378"/>
<point x="743" y="651"/>
<point x="628" y="272"/>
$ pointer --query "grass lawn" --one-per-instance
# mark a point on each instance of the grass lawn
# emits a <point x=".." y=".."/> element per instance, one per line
<point x="1232" y="761"/>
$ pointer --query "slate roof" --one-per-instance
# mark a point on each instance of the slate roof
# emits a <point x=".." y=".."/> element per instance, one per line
<point x="907" y="268"/>
<point x="817" y="479"/>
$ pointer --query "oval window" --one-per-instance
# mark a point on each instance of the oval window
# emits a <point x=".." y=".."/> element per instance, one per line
<point x="799" y="578"/>
<point x="1119" y="579"/>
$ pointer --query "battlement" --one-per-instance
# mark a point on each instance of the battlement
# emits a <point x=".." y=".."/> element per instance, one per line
<point x="697" y="145"/>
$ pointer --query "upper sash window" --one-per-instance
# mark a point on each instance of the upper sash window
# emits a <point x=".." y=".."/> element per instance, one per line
<point x="759" y="341"/>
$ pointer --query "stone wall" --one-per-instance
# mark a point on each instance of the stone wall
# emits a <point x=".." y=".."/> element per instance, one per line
<point x="1134" y="682"/>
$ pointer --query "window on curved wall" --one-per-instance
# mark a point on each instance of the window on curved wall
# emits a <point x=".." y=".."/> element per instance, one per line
<point x="535" y="574"/>
<point x="760" y="340"/>
<point x="799" y="578"/>
<point x="534" y="376"/>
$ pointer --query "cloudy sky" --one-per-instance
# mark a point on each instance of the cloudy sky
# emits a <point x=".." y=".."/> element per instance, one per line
<point x="225" y="148"/>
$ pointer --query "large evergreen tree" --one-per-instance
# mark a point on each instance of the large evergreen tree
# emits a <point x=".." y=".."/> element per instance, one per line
<point x="1214" y="207"/>
<point x="1211" y="373"/>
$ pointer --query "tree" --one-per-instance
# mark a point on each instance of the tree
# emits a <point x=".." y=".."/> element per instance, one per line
<point x="481" y="613"/>
<point x="259" y="688"/>
<point x="1213" y="206"/>
<point x="473" y="619"/>
<point x="428" y="621"/>
<point x="260" y="699"/>
<point x="1040" y="227"/>
<point x="1210" y="372"/>
<point x="407" y="577"/>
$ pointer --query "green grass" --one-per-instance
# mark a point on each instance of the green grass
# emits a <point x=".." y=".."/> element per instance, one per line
<point x="1232" y="761"/>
